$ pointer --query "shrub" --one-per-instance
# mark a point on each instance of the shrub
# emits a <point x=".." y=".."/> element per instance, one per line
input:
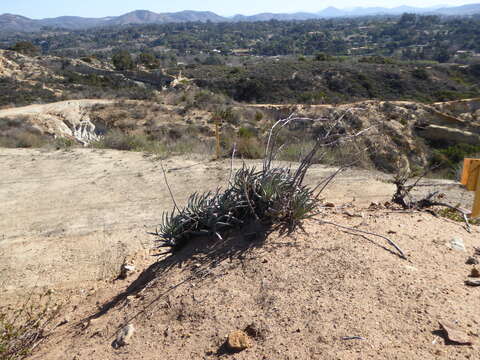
<point x="272" y="196"/>
<point x="228" y="114"/>
<point x="421" y="74"/>
<point x="22" y="329"/>
<point x="249" y="148"/>
<point x="246" y="132"/>
<point x="258" y="116"/>
<point x="25" y="47"/>
<point x="122" y="60"/>
<point x="452" y="155"/>
<point x="116" y="139"/>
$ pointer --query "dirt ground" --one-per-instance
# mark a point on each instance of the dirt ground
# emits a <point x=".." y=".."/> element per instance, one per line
<point x="68" y="219"/>
<point x="301" y="295"/>
<point x="70" y="216"/>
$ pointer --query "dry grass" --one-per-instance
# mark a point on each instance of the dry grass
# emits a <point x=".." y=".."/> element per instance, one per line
<point x="22" y="328"/>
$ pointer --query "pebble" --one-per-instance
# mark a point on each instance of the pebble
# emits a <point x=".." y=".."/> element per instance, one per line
<point x="238" y="341"/>
<point x="457" y="244"/>
<point x="472" y="282"/>
<point x="126" y="270"/>
<point x="124" y="336"/>
<point x="472" y="261"/>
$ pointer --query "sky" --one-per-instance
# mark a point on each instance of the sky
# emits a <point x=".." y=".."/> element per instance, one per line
<point x="38" y="9"/>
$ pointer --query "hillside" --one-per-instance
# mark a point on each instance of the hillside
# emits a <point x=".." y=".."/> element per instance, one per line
<point x="11" y="22"/>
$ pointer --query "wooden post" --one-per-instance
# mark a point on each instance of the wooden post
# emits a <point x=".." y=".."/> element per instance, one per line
<point x="217" y="135"/>
<point x="476" y="203"/>
<point x="471" y="180"/>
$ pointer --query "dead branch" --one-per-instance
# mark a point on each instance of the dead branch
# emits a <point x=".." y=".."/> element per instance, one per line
<point x="403" y="197"/>
<point x="168" y="186"/>
<point x="401" y="254"/>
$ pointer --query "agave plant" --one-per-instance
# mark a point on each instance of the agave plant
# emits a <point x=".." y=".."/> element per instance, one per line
<point x="272" y="195"/>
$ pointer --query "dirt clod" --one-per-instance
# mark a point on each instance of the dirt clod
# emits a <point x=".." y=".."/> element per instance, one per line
<point x="475" y="273"/>
<point x="455" y="334"/>
<point x="238" y="341"/>
<point x="472" y="261"/>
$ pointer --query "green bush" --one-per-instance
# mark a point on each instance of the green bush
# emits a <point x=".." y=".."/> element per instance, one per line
<point x="246" y="132"/>
<point x="452" y="155"/>
<point x="122" y="60"/>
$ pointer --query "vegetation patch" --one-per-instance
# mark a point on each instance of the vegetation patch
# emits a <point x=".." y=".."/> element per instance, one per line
<point x="22" y="329"/>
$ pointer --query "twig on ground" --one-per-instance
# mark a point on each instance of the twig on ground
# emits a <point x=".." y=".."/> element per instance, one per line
<point x="391" y="242"/>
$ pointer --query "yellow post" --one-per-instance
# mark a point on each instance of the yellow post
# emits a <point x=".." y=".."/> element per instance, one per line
<point x="476" y="203"/>
<point x="471" y="180"/>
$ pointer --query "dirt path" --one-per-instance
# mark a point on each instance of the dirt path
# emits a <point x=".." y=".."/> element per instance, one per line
<point x="62" y="106"/>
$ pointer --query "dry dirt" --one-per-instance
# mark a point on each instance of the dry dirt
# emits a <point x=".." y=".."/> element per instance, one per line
<point x="68" y="219"/>
<point x="69" y="216"/>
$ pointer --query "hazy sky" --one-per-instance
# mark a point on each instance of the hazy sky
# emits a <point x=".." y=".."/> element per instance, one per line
<point x="98" y="8"/>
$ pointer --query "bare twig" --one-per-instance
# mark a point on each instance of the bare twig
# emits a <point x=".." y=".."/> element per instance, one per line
<point x="391" y="242"/>
<point x="169" y="190"/>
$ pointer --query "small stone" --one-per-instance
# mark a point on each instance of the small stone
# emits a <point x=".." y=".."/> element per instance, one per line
<point x="472" y="261"/>
<point x="126" y="270"/>
<point x="124" y="336"/>
<point x="238" y="341"/>
<point x="455" y="334"/>
<point x="457" y="244"/>
<point x="329" y="205"/>
<point x="472" y="282"/>
<point x="63" y="322"/>
<point x="475" y="273"/>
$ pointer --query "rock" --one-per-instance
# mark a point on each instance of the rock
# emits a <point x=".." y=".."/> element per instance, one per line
<point x="455" y="334"/>
<point x="472" y="282"/>
<point x="472" y="261"/>
<point x="126" y="270"/>
<point x="63" y="322"/>
<point x="329" y="205"/>
<point x="124" y="336"/>
<point x="238" y="341"/>
<point x="457" y="244"/>
<point x="475" y="273"/>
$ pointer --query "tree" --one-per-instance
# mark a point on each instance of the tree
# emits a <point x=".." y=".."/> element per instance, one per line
<point x="149" y="60"/>
<point x="122" y="60"/>
<point x="442" y="55"/>
<point x="25" y="47"/>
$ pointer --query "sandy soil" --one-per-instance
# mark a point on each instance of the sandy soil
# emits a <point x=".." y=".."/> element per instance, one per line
<point x="69" y="216"/>
<point x="68" y="219"/>
<point x="302" y="294"/>
<point x="68" y="106"/>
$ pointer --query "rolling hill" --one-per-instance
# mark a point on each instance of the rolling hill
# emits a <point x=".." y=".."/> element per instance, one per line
<point x="18" y="23"/>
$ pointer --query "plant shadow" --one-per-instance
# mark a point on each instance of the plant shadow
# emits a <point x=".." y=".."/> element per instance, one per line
<point x="207" y="253"/>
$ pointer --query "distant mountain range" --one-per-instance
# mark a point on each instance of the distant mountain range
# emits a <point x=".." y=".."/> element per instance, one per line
<point x="11" y="22"/>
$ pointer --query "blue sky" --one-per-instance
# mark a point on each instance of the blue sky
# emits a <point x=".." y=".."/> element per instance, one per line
<point x="97" y="8"/>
